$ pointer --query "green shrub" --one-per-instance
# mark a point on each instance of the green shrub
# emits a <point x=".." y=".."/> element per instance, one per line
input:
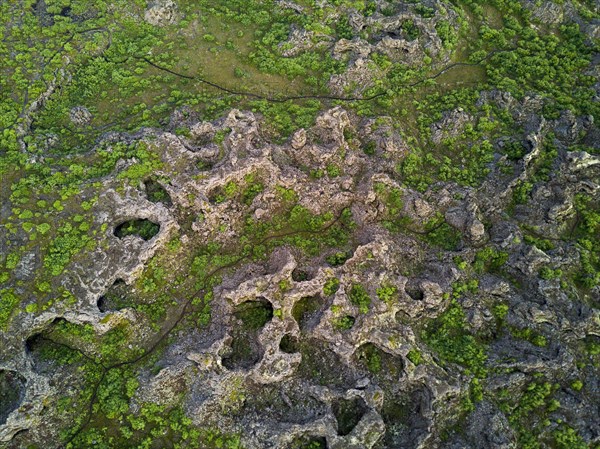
<point x="500" y="311"/>
<point x="447" y="34"/>
<point x="344" y="323"/>
<point x="359" y="296"/>
<point x="489" y="260"/>
<point x="387" y="293"/>
<point x="331" y="286"/>
<point x="577" y="385"/>
<point x="441" y="234"/>
<point x="12" y="261"/>
<point x="414" y="355"/>
<point x="567" y="438"/>
<point x="337" y="259"/>
<point x="448" y="336"/>
<point x="548" y="273"/>
<point x="529" y="335"/>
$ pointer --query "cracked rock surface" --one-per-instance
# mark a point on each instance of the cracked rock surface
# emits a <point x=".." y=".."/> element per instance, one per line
<point x="299" y="346"/>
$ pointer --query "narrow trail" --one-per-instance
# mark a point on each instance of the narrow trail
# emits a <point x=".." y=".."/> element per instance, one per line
<point x="284" y="99"/>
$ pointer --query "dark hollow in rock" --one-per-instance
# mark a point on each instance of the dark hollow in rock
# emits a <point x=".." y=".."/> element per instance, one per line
<point x="309" y="443"/>
<point x="115" y="298"/>
<point x="307" y="311"/>
<point x="21" y="439"/>
<point x="143" y="228"/>
<point x="39" y="349"/>
<point x="245" y="348"/>
<point x="405" y="418"/>
<point x="39" y="340"/>
<point x="321" y="365"/>
<point x="41" y="11"/>
<point x="219" y="195"/>
<point x="50" y="358"/>
<point x="288" y="344"/>
<point x="12" y="392"/>
<point x="299" y="275"/>
<point x="338" y="259"/>
<point x="101" y="304"/>
<point x="348" y="413"/>
<point x="204" y="165"/>
<point x="345" y="323"/>
<point x="287" y="403"/>
<point x="415" y="293"/>
<point x="34" y="342"/>
<point x="245" y="352"/>
<point x="254" y="314"/>
<point x="380" y="364"/>
<point x="157" y="193"/>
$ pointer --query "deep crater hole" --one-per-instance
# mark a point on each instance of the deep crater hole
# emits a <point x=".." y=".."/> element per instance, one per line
<point x="12" y="392"/>
<point x="245" y="347"/>
<point x="156" y="192"/>
<point x="115" y="298"/>
<point x="348" y="413"/>
<point x="143" y="228"/>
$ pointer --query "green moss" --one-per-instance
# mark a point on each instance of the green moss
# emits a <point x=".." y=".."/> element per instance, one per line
<point x="147" y="163"/>
<point x="69" y="241"/>
<point x="540" y="243"/>
<point x="500" y="311"/>
<point x="529" y="335"/>
<point x="9" y="302"/>
<point x="333" y="170"/>
<point x="392" y="198"/>
<point x="284" y="285"/>
<point x="577" y="385"/>
<point x="567" y="438"/>
<point x="12" y="261"/>
<point x="489" y="260"/>
<point x="528" y="409"/>
<point x="252" y="189"/>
